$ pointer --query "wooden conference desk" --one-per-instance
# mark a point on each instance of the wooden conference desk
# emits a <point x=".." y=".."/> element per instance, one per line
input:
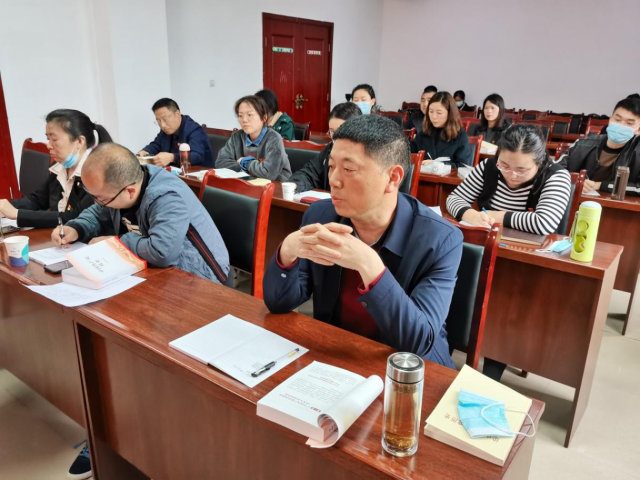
<point x="152" y="412"/>
<point x="546" y="313"/>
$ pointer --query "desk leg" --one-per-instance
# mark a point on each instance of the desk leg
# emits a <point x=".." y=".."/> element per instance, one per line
<point x="429" y="193"/>
<point x="626" y="318"/>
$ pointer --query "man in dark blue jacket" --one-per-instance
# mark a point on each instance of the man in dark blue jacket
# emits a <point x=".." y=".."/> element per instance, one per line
<point x="175" y="129"/>
<point x="377" y="262"/>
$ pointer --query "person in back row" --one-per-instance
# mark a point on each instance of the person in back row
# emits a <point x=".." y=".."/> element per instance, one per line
<point x="417" y="117"/>
<point x="279" y="121"/>
<point x="315" y="174"/>
<point x="364" y="96"/>
<point x="175" y="129"/>
<point x="255" y="149"/>
<point x="354" y="253"/>
<point x="601" y="155"/>
<point x="442" y="135"/>
<point x="155" y="214"/>
<point x="460" y="98"/>
<point x="71" y="135"/>
<point x="520" y="187"/>
<point x="492" y="122"/>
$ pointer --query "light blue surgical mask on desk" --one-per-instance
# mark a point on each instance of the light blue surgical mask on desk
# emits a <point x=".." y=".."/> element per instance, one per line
<point x="484" y="417"/>
<point x="619" y="133"/>
<point x="365" y="107"/>
<point x="559" y="246"/>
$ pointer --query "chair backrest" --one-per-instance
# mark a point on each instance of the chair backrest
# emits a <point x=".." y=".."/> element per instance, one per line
<point x="547" y="128"/>
<point x="416" y="162"/>
<point x="577" y="184"/>
<point x="467" y="123"/>
<point x="218" y="131"/>
<point x="593" y="130"/>
<point x="301" y="131"/>
<point x="531" y="114"/>
<point x="561" y="123"/>
<point x="408" y="105"/>
<point x="468" y="309"/>
<point x="562" y="149"/>
<point x="34" y="166"/>
<point x="399" y="117"/>
<point x="411" y="133"/>
<point x="299" y="157"/>
<point x="407" y="182"/>
<point x="597" y="121"/>
<point x="514" y="117"/>
<point x="240" y="210"/>
<point x="475" y="143"/>
<point x="470" y="114"/>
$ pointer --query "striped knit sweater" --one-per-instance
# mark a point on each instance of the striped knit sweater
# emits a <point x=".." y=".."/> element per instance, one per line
<point x="553" y="202"/>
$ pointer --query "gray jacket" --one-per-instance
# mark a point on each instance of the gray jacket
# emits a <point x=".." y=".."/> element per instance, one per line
<point x="171" y="220"/>
<point x="275" y="162"/>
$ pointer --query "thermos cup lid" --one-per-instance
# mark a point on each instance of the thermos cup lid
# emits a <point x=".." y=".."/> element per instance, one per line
<point x="405" y="367"/>
<point x="184" y="147"/>
<point x="591" y="204"/>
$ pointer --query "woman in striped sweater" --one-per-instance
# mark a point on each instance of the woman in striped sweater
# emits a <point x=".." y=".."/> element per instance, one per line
<point x="520" y="187"/>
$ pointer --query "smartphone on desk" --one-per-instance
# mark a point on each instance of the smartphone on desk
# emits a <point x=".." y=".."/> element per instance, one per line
<point x="57" y="267"/>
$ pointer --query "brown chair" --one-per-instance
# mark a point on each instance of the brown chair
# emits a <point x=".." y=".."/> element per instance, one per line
<point x="218" y="131"/>
<point x="592" y="122"/>
<point x="546" y="127"/>
<point x="468" y="121"/>
<point x="531" y="114"/>
<point x="577" y="185"/>
<point x="514" y="117"/>
<point x="416" y="161"/>
<point x="399" y="117"/>
<point x="594" y="129"/>
<point x="467" y="312"/>
<point x="301" y="131"/>
<point x="561" y="123"/>
<point x="303" y="145"/>
<point x="34" y="166"/>
<point x="562" y="149"/>
<point x="476" y="144"/>
<point x="409" y="105"/>
<point x="411" y="133"/>
<point x="465" y="114"/>
<point x="240" y="210"/>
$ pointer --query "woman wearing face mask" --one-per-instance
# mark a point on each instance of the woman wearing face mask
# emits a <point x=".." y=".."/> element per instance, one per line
<point x="492" y="123"/>
<point x="520" y="187"/>
<point x="255" y="149"/>
<point x="364" y="96"/>
<point x="315" y="174"/>
<point x="442" y="136"/>
<point x="460" y="98"/>
<point x="71" y="135"/>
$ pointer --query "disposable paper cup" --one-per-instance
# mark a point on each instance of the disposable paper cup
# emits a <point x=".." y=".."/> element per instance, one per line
<point x="288" y="189"/>
<point x="18" y="250"/>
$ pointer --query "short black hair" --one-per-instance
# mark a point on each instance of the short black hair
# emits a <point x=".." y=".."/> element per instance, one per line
<point x="630" y="104"/>
<point x="257" y="103"/>
<point x="76" y="124"/>
<point x="525" y="138"/>
<point x="165" y="102"/>
<point x="345" y="111"/>
<point x="382" y="139"/>
<point x="634" y="95"/>
<point x="460" y="93"/>
<point x="364" y="86"/>
<point x="271" y="99"/>
<point x="119" y="165"/>
<point x="430" y="88"/>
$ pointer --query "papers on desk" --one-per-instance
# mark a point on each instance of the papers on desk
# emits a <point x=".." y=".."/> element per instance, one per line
<point x="488" y="148"/>
<point x="220" y="172"/>
<point x="74" y="296"/>
<point x="592" y="193"/>
<point x="312" y="194"/>
<point x="320" y="402"/>
<point x="53" y="255"/>
<point x="464" y="171"/>
<point x="8" y="226"/>
<point x="238" y="348"/>
<point x="146" y="160"/>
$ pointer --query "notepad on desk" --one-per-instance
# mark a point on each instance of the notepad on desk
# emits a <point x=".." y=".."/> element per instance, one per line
<point x="239" y="349"/>
<point x="518" y="236"/>
<point x="320" y="402"/>
<point x="101" y="264"/>
<point x="53" y="255"/>
<point x="443" y="423"/>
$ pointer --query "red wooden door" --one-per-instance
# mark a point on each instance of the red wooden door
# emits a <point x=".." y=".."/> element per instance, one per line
<point x="297" y="64"/>
<point x="8" y="178"/>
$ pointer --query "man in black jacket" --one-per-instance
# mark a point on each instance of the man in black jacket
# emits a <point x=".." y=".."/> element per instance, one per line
<point x="417" y="116"/>
<point x="601" y="155"/>
<point x="315" y="174"/>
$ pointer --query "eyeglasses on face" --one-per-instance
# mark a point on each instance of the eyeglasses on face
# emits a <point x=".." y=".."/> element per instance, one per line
<point x="518" y="173"/>
<point x="104" y="204"/>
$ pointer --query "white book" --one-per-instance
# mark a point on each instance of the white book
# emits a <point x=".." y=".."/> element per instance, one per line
<point x="312" y="194"/>
<point x="53" y="255"/>
<point x="101" y="264"/>
<point x="239" y="349"/>
<point x="320" y="402"/>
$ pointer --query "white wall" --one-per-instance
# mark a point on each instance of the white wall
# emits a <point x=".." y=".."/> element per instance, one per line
<point x="570" y="55"/>
<point x="222" y="41"/>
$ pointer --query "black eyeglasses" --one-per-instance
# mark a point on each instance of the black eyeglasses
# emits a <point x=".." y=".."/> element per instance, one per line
<point x="115" y="196"/>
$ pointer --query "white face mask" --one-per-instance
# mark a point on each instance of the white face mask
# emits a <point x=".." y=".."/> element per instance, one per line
<point x="460" y="103"/>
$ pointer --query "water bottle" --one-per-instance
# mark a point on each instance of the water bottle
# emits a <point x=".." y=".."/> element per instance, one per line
<point x="185" y="157"/>
<point x="585" y="231"/>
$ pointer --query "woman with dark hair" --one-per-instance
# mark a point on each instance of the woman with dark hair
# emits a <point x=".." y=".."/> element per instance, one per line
<point x="492" y="122"/>
<point x="364" y="96"/>
<point x="315" y="174"/>
<point x="520" y="187"/>
<point x="255" y="149"/>
<point x="71" y="136"/>
<point x="279" y="121"/>
<point x="442" y="136"/>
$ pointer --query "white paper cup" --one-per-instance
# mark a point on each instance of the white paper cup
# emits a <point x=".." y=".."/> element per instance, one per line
<point x="18" y="250"/>
<point x="288" y="189"/>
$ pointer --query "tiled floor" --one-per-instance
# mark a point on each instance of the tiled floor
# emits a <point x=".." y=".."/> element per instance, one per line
<point x="36" y="440"/>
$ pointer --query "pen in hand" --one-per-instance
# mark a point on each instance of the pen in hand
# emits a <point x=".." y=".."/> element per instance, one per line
<point x="270" y="365"/>
<point x="61" y="231"/>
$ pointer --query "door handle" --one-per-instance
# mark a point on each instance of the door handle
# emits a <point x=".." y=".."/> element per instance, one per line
<point x="300" y="101"/>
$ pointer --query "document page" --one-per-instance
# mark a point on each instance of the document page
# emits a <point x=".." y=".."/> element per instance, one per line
<point x="50" y="256"/>
<point x="74" y="296"/>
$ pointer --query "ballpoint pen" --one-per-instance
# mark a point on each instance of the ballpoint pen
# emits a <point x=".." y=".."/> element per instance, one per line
<point x="61" y="226"/>
<point x="270" y="365"/>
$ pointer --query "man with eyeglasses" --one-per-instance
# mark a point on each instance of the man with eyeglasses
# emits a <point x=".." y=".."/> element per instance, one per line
<point x="155" y="214"/>
<point x="175" y="129"/>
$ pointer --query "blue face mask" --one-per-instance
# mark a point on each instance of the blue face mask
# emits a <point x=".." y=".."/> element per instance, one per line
<point x="365" y="107"/>
<point x="619" y="133"/>
<point x="484" y="417"/>
<point x="71" y="160"/>
<point x="559" y="246"/>
<point x="460" y="103"/>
